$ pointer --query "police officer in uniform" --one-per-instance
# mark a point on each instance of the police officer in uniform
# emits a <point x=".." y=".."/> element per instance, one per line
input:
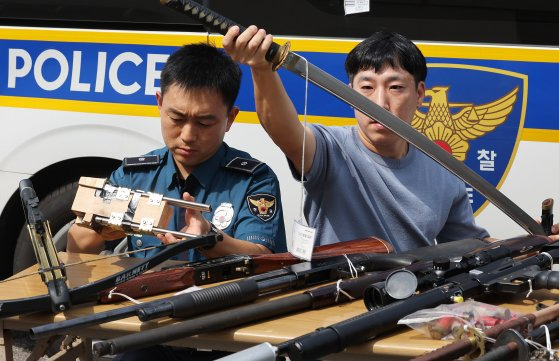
<point x="199" y="85"/>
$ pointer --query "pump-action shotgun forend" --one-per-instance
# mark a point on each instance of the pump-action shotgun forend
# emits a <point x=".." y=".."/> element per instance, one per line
<point x="99" y="203"/>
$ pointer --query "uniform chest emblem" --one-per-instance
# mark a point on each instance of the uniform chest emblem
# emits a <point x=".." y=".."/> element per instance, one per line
<point x="262" y="206"/>
<point x="223" y="215"/>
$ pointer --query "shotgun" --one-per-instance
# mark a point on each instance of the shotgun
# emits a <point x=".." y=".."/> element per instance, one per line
<point x="324" y="296"/>
<point x="493" y="272"/>
<point x="500" y="277"/>
<point x="236" y="292"/>
<point x="225" y="268"/>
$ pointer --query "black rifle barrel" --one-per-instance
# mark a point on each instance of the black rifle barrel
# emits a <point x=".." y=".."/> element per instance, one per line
<point x="229" y="294"/>
<point x="315" y="298"/>
<point x="360" y="328"/>
<point x="249" y="289"/>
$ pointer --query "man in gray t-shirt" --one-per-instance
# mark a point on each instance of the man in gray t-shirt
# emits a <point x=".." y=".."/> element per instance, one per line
<point x="363" y="180"/>
<point x="410" y="201"/>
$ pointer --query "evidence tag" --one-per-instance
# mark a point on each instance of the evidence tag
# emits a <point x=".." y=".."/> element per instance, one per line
<point x="303" y="240"/>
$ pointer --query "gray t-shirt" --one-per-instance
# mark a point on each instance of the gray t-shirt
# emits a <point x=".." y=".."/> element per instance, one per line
<point x="354" y="193"/>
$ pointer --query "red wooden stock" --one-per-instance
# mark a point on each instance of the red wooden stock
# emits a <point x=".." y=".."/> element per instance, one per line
<point x="153" y="283"/>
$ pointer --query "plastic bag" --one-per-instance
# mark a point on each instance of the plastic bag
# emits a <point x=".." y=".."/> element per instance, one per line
<point x="448" y="322"/>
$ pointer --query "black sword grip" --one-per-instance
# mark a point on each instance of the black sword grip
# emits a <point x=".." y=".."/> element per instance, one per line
<point x="219" y="23"/>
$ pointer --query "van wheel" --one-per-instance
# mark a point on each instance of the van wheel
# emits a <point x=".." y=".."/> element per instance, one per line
<point x="56" y="208"/>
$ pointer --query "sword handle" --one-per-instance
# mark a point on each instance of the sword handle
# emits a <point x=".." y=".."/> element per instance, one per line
<point x="276" y="54"/>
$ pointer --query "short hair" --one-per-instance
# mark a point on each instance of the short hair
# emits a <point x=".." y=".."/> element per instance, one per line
<point x="386" y="48"/>
<point x="202" y="66"/>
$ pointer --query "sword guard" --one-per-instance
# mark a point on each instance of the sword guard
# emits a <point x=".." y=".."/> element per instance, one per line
<point x="277" y="54"/>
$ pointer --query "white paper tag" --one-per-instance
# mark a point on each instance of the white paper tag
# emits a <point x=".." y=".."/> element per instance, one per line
<point x="303" y="240"/>
<point x="356" y="6"/>
<point x="188" y="290"/>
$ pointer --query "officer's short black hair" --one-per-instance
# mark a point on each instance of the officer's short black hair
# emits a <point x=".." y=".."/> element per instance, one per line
<point x="386" y="48"/>
<point x="202" y="66"/>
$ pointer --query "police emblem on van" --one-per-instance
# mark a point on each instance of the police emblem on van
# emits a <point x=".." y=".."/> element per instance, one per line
<point x="476" y="114"/>
<point x="262" y="206"/>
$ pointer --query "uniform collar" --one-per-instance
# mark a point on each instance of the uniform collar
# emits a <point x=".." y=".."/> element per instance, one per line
<point x="203" y="172"/>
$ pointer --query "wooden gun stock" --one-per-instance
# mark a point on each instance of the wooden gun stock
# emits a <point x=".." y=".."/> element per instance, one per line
<point x="231" y="267"/>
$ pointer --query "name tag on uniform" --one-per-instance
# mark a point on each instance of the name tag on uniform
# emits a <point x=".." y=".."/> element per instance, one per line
<point x="143" y="161"/>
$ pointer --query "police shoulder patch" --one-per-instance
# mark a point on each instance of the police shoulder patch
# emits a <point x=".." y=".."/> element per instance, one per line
<point x="243" y="165"/>
<point x="262" y="205"/>
<point x="143" y="161"/>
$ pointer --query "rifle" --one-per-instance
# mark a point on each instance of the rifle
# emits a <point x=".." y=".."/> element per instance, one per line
<point x="504" y="275"/>
<point x="234" y="293"/>
<point x="320" y="297"/>
<point x="181" y="276"/>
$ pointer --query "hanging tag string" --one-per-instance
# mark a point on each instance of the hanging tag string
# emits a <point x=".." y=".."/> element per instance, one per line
<point x="112" y="293"/>
<point x="352" y="270"/>
<point x="550" y="259"/>
<point x="339" y="290"/>
<point x="530" y="289"/>
<point x="304" y="138"/>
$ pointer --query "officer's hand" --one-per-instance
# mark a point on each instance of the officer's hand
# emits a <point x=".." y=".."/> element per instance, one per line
<point x="195" y="223"/>
<point x="249" y="48"/>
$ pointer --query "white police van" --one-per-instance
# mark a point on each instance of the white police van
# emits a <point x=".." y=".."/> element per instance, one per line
<point x="77" y="85"/>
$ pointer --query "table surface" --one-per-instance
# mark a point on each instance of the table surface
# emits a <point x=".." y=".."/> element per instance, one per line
<point x="402" y="344"/>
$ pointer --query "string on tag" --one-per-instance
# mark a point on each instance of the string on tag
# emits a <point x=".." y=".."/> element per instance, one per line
<point x="530" y="288"/>
<point x="339" y="290"/>
<point x="477" y="339"/>
<point x="352" y="270"/>
<point x="550" y="259"/>
<point x="111" y="293"/>
<point x="548" y="342"/>
<point x="304" y="138"/>
<point x="543" y="349"/>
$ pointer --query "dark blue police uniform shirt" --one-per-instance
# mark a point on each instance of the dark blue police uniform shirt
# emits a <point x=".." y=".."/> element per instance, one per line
<point x="245" y="200"/>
